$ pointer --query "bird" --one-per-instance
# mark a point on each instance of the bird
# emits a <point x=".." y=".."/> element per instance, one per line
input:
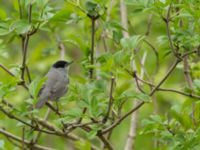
<point x="56" y="84"/>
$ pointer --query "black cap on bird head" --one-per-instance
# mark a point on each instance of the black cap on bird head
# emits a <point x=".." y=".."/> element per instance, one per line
<point x="61" y="64"/>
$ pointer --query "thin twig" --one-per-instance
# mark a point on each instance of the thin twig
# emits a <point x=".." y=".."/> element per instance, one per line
<point x="166" y="76"/>
<point x="28" y="74"/>
<point x="124" y="18"/>
<point x="23" y="138"/>
<point x="169" y="90"/>
<point x="61" y="46"/>
<point x="20" y="9"/>
<point x="81" y="118"/>
<point x="110" y="100"/>
<point x="16" y="138"/>
<point x="167" y="21"/>
<point x="5" y="69"/>
<point x="45" y="119"/>
<point x="30" y="13"/>
<point x="92" y="50"/>
<point x="149" y="22"/>
<point x="141" y="103"/>
<point x="105" y="141"/>
<point x="25" y="46"/>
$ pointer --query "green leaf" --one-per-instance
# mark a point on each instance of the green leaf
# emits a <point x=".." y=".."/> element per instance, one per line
<point x="93" y="9"/>
<point x="73" y="113"/>
<point x="114" y="26"/>
<point x="92" y="134"/>
<point x="4" y="28"/>
<point x="131" y="42"/>
<point x="20" y="26"/>
<point x="83" y="145"/>
<point x="35" y="86"/>
<point x="122" y="57"/>
<point x="7" y="88"/>
<point x="62" y="15"/>
<point x="144" y="97"/>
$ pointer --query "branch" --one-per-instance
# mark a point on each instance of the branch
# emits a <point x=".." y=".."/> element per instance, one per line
<point x="141" y="103"/>
<point x="16" y="138"/>
<point x="25" y="41"/>
<point x="92" y="49"/>
<point x="168" y="90"/>
<point x="167" y="21"/>
<point x="110" y="100"/>
<point x="6" y="70"/>
<point x="61" y="46"/>
<point x="20" y="9"/>
<point x="124" y="18"/>
<point x="166" y="76"/>
<point x="28" y="74"/>
<point x="105" y="141"/>
<point x="11" y="116"/>
<point x="23" y="138"/>
<point x="35" y="140"/>
<point x="149" y="22"/>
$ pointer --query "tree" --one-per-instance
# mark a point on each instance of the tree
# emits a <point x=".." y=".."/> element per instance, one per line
<point x="137" y="58"/>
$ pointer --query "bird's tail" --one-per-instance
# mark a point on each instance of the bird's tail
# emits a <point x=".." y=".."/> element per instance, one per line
<point x="40" y="103"/>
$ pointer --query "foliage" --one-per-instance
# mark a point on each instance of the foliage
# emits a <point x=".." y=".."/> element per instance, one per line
<point x="156" y="65"/>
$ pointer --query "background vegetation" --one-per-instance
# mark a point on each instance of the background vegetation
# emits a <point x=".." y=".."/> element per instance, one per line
<point x="134" y="83"/>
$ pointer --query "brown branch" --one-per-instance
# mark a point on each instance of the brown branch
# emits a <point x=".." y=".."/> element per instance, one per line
<point x="166" y="76"/>
<point x="169" y="90"/>
<point x="141" y="103"/>
<point x="30" y="13"/>
<point x="28" y="74"/>
<point x="25" y="46"/>
<point x="92" y="49"/>
<point x="16" y="138"/>
<point x="20" y="9"/>
<point x="14" y="117"/>
<point x="188" y="53"/>
<point x="25" y="41"/>
<point x="149" y="22"/>
<point x="110" y="100"/>
<point x="23" y="138"/>
<point x="81" y="118"/>
<point x="35" y="140"/>
<point x="167" y="21"/>
<point x="105" y="141"/>
<point x="156" y="54"/>
<point x="6" y="70"/>
<point x="61" y="46"/>
<point x="53" y="109"/>
<point x="11" y="116"/>
<point x="122" y="118"/>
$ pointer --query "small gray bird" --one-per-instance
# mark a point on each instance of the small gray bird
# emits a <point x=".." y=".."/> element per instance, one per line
<point x="56" y="85"/>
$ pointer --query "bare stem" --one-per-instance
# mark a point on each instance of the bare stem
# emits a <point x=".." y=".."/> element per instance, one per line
<point x="23" y="138"/>
<point x="20" y="9"/>
<point x="141" y="103"/>
<point x="167" y="21"/>
<point x="92" y="49"/>
<point x="105" y="141"/>
<point x="45" y="119"/>
<point x="110" y="100"/>
<point x="16" y="138"/>
<point x="5" y="69"/>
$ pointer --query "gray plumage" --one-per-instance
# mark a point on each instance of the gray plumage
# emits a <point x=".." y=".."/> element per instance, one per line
<point x="56" y="85"/>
